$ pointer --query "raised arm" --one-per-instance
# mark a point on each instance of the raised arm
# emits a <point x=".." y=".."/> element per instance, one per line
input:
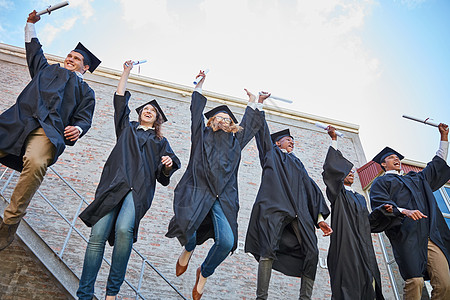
<point x="122" y="86"/>
<point x="252" y="120"/>
<point x="121" y="98"/>
<point x="335" y="168"/>
<point x="198" y="104"/>
<point x="35" y="56"/>
<point x="437" y="172"/>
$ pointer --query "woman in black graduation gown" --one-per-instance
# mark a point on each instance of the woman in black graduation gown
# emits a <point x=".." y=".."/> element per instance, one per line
<point x="206" y="200"/>
<point x="140" y="157"/>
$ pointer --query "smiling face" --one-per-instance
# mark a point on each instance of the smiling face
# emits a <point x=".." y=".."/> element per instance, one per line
<point x="148" y="116"/>
<point x="392" y="162"/>
<point x="350" y="178"/>
<point x="222" y="120"/>
<point x="75" y="62"/>
<point x="286" y="143"/>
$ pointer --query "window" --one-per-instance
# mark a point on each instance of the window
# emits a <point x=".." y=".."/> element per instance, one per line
<point x="442" y="196"/>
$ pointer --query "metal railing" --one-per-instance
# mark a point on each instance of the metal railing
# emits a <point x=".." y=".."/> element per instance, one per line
<point x="145" y="262"/>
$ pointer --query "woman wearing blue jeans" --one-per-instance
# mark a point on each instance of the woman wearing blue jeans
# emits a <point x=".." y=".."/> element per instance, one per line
<point x="206" y="202"/>
<point x="140" y="157"/>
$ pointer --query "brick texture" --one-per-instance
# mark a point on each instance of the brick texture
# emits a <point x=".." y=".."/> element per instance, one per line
<point x="82" y="164"/>
<point x="22" y="276"/>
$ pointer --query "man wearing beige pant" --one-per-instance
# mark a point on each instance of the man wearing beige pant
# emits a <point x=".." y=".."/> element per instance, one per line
<point x="417" y="230"/>
<point x="54" y="110"/>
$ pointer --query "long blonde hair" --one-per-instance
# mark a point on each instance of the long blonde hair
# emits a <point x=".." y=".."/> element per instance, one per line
<point x="233" y="127"/>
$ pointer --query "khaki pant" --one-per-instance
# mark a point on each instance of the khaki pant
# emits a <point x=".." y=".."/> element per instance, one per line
<point x="39" y="153"/>
<point x="437" y="267"/>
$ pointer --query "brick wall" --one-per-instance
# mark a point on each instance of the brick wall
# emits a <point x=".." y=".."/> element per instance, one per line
<point x="24" y="277"/>
<point x="82" y="164"/>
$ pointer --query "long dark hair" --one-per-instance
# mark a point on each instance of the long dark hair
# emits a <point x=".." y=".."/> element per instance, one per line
<point x="158" y="122"/>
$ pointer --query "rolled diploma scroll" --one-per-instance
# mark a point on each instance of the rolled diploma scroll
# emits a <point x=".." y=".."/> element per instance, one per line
<point x="197" y="80"/>
<point x="52" y="8"/>
<point x="425" y="121"/>
<point x="278" y="98"/>
<point x="323" y="126"/>
<point x="138" y="62"/>
<point x="142" y="61"/>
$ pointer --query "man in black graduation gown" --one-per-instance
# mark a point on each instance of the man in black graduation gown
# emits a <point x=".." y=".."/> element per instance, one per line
<point x="421" y="240"/>
<point x="55" y="109"/>
<point x="289" y="205"/>
<point x="352" y="263"/>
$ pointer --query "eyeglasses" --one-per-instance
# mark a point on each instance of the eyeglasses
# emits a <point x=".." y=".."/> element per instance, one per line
<point x="226" y="120"/>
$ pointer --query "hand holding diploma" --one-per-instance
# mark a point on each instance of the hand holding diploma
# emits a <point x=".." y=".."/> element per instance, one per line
<point x="33" y="17"/>
<point x="323" y="126"/>
<point x="136" y="62"/>
<point x="200" y="77"/>
<point x="51" y="8"/>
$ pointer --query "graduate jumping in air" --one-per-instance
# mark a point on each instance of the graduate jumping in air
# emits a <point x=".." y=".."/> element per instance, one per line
<point x="206" y="199"/>
<point x="352" y="264"/>
<point x="140" y="157"/>
<point x="416" y="229"/>
<point x="54" y="110"/>
<point x="289" y="207"/>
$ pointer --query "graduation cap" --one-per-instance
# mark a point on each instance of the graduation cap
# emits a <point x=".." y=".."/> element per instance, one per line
<point x="88" y="57"/>
<point x="280" y="134"/>
<point x="156" y="106"/>
<point x="379" y="158"/>
<point x="221" y="109"/>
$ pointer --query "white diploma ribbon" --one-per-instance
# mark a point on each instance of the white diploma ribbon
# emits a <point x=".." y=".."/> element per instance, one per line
<point x="323" y="126"/>
<point x="425" y="121"/>
<point x="199" y="78"/>
<point x="51" y="8"/>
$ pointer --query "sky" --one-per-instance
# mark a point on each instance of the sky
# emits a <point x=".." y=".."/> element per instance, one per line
<point x="364" y="62"/>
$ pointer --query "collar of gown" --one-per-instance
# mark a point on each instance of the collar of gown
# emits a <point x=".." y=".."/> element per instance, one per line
<point x="145" y="128"/>
<point x="349" y="188"/>
<point x="395" y="172"/>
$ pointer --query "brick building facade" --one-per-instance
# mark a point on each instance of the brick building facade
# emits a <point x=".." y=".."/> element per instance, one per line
<point x="82" y="164"/>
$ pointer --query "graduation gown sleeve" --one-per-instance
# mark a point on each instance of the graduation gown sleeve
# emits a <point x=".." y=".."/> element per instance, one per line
<point x="35" y="57"/>
<point x="335" y="169"/>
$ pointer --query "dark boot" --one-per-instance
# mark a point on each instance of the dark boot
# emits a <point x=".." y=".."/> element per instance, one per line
<point x="7" y="233"/>
<point x="306" y="288"/>
<point x="264" y="273"/>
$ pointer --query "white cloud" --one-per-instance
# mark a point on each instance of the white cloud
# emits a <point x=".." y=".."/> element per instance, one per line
<point x="85" y="7"/>
<point x="140" y="13"/>
<point x="49" y="32"/>
<point x="6" y="4"/>
<point x="302" y="50"/>
<point x="81" y="9"/>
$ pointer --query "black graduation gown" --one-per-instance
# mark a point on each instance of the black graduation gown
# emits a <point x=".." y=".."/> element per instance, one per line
<point x="352" y="262"/>
<point x="54" y="98"/>
<point x="211" y="174"/>
<point x="287" y="193"/>
<point x="413" y="191"/>
<point x="133" y="165"/>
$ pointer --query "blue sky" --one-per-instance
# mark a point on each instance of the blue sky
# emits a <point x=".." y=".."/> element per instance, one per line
<point x="365" y="62"/>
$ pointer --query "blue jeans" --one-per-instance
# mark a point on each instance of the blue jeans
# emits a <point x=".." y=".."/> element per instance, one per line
<point x="223" y="241"/>
<point x="124" y="217"/>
